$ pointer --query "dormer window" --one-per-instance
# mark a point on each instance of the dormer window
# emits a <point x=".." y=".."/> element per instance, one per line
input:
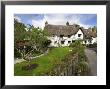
<point x="69" y="36"/>
<point x="53" y="35"/>
<point x="61" y="36"/>
<point x="79" y="35"/>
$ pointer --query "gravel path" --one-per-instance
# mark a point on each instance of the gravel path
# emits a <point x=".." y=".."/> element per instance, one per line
<point x="92" y="58"/>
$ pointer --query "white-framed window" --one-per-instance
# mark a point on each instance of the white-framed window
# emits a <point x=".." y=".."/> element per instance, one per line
<point x="79" y="35"/>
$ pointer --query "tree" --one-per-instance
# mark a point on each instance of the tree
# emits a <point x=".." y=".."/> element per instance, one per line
<point x="38" y="39"/>
<point x="28" y="39"/>
<point x="94" y="29"/>
<point x="19" y="37"/>
<point x="19" y="31"/>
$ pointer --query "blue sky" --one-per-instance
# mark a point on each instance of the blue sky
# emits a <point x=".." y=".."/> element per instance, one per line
<point x="38" y="20"/>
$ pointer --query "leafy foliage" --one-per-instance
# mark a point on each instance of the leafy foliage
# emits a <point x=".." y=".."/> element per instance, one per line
<point x="82" y="67"/>
<point x="45" y="63"/>
<point x="28" y="39"/>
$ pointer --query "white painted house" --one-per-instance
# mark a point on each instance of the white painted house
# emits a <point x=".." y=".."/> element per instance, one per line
<point x="64" y="35"/>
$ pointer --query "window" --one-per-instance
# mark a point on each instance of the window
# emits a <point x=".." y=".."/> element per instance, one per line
<point x="53" y="35"/>
<point x="69" y="41"/>
<point x="90" y="41"/>
<point x="62" y="42"/>
<point x="79" y="35"/>
<point x="73" y="41"/>
<point x="61" y="36"/>
<point x="69" y="36"/>
<point x="85" y="41"/>
<point x="49" y="41"/>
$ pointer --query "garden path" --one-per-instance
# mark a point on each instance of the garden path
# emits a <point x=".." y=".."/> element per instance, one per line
<point x="21" y="60"/>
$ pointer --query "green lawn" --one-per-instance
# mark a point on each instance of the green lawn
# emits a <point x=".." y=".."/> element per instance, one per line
<point x="45" y="63"/>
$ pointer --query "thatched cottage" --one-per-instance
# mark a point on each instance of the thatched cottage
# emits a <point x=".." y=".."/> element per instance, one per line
<point x="63" y="35"/>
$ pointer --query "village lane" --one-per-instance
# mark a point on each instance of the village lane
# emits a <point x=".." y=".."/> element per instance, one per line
<point x="92" y="59"/>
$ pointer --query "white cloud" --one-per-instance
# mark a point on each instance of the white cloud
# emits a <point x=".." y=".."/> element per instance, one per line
<point x="37" y="23"/>
<point x="86" y="26"/>
<point x="17" y="18"/>
<point x="61" y="19"/>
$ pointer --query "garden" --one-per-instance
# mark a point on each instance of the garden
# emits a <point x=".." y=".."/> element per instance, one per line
<point x="32" y="45"/>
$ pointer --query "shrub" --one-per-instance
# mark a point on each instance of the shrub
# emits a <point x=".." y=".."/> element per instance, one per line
<point x="17" y="54"/>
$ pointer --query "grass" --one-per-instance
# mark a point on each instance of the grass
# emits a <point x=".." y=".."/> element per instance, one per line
<point x="45" y="63"/>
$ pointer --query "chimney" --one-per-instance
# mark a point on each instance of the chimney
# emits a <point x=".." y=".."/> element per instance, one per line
<point x="46" y="23"/>
<point x="67" y="23"/>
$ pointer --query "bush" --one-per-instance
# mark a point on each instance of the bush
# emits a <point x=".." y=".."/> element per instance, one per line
<point x="77" y="45"/>
<point x="17" y="54"/>
<point x="78" y="48"/>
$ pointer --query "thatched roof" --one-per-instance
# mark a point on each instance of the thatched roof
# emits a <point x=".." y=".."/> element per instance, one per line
<point x="61" y="30"/>
<point x="89" y="33"/>
<point x="67" y="30"/>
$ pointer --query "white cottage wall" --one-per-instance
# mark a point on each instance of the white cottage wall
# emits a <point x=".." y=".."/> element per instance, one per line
<point x="94" y="40"/>
<point x="81" y="36"/>
<point x="56" y="41"/>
